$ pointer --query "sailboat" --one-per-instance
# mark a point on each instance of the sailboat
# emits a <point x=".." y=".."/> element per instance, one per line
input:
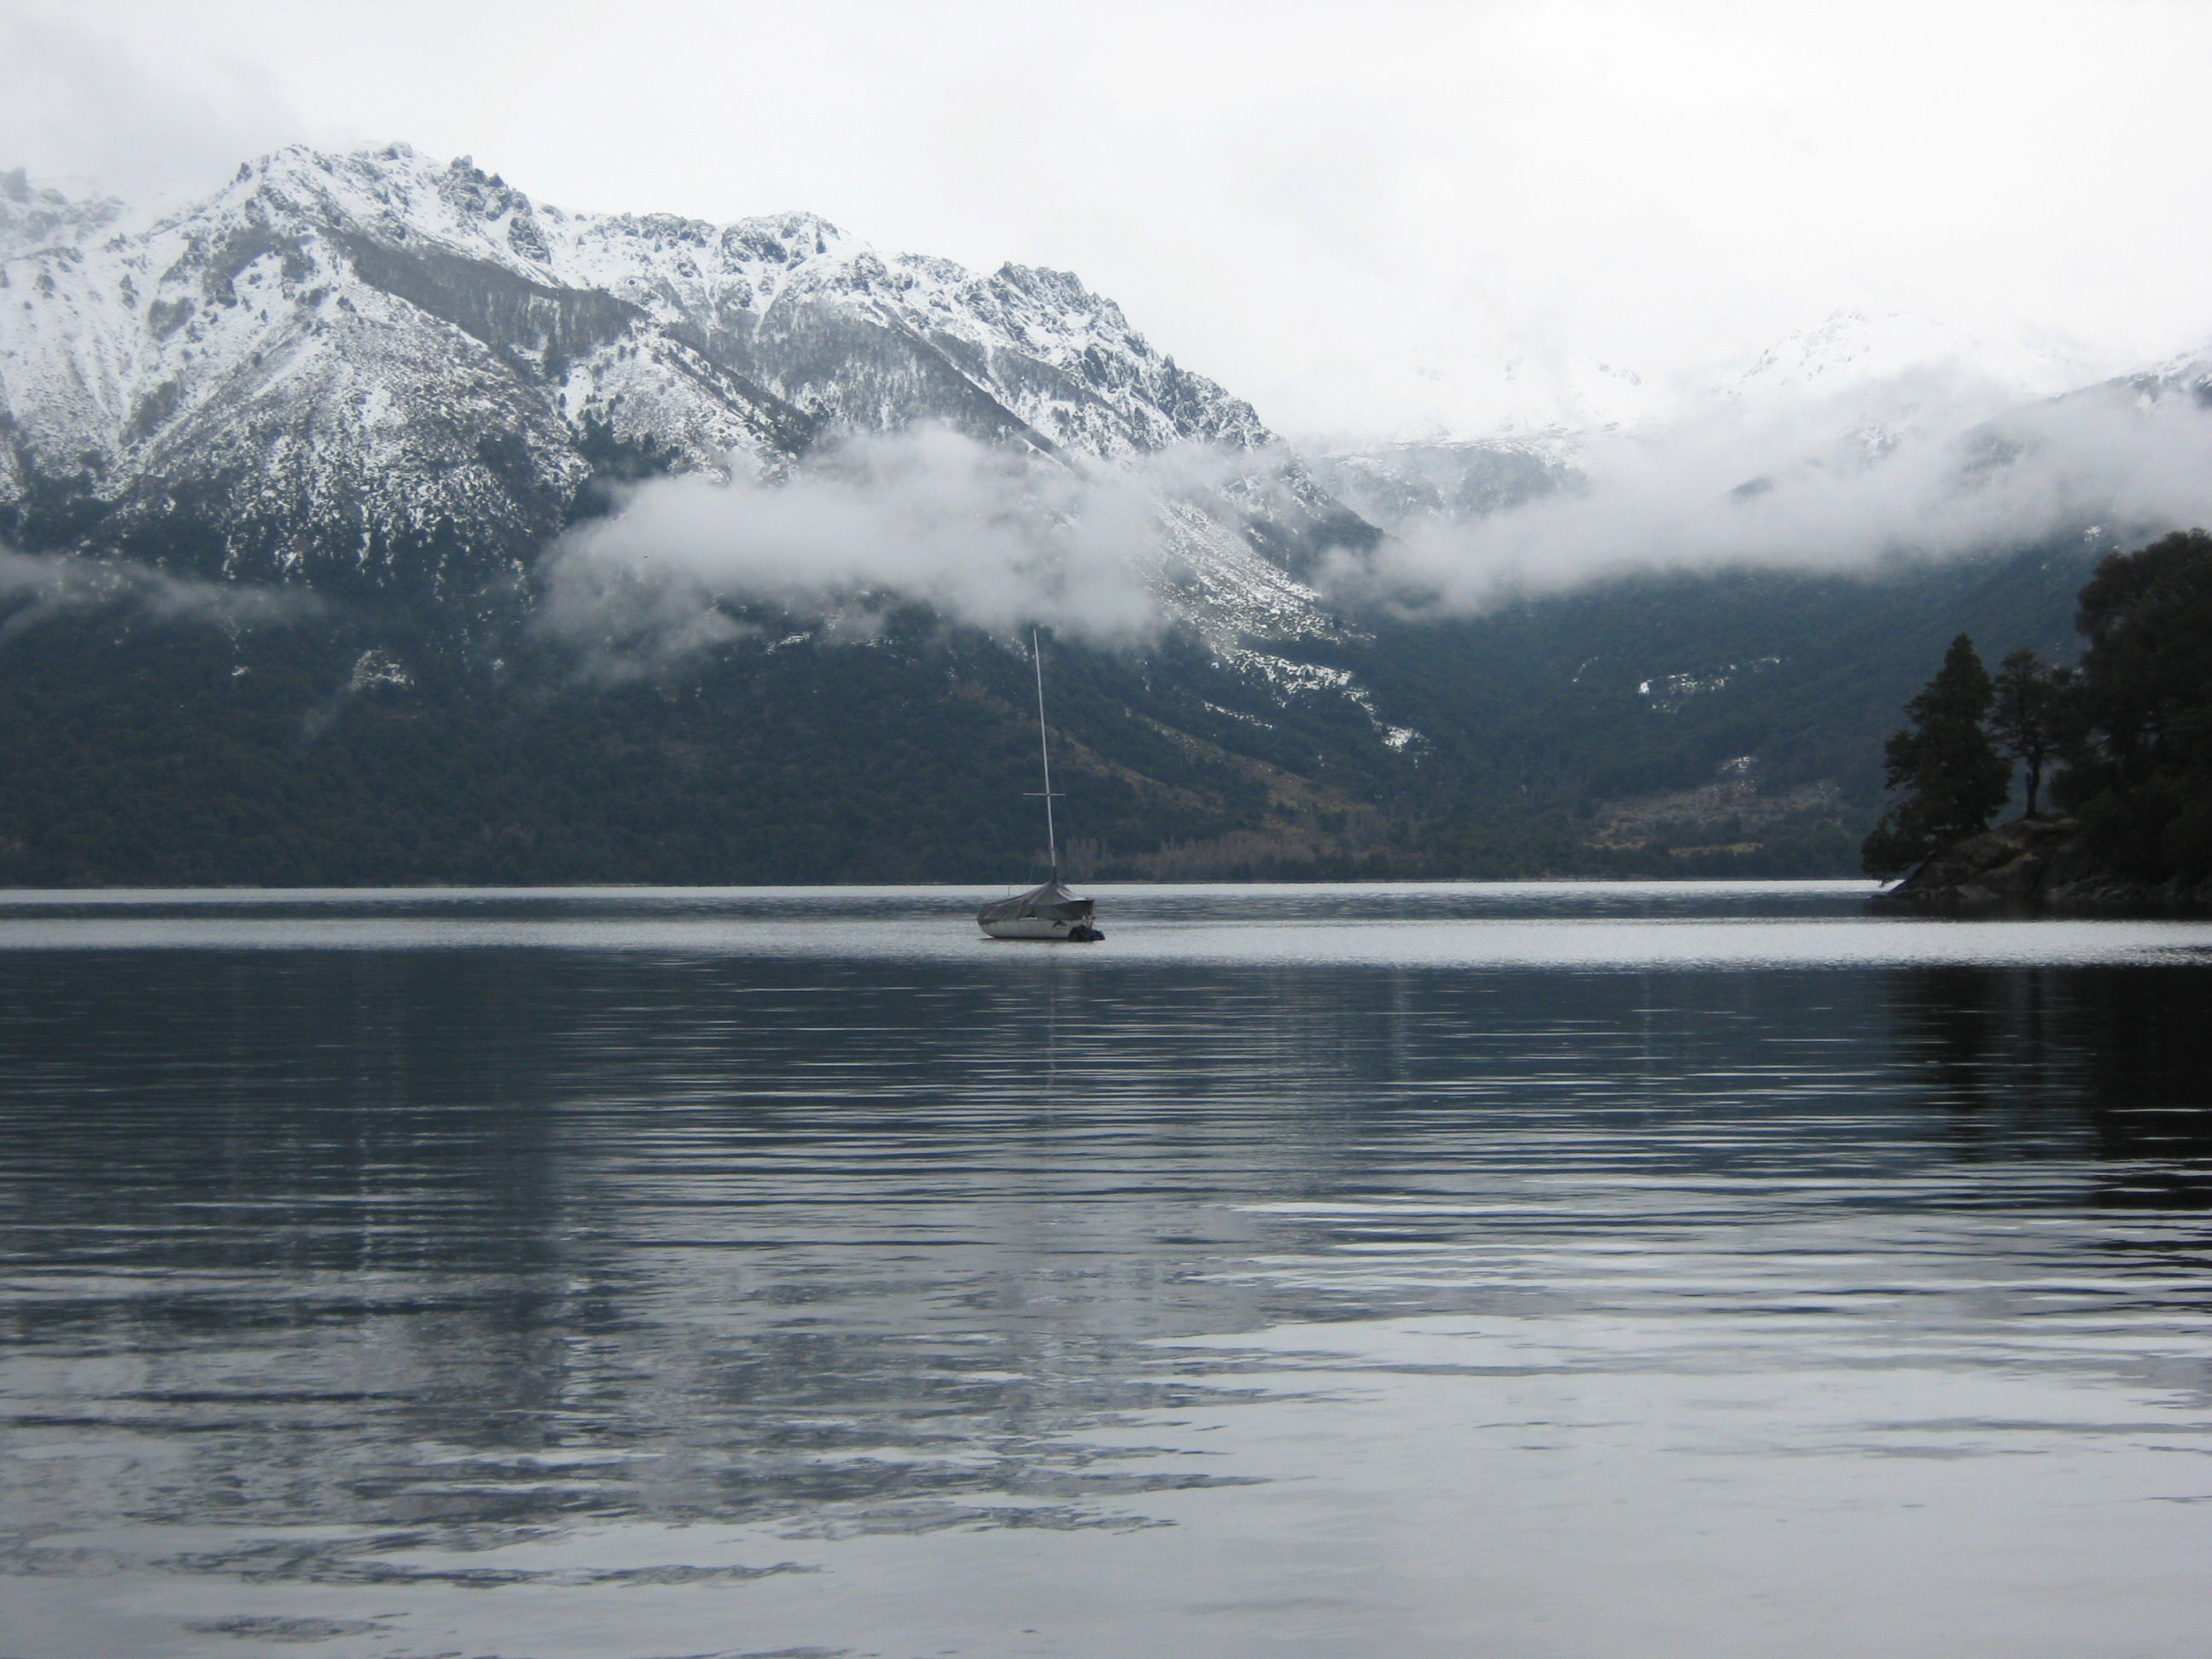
<point x="1049" y="912"/>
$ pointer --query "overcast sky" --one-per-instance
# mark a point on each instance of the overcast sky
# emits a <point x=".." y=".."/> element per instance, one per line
<point x="1352" y="214"/>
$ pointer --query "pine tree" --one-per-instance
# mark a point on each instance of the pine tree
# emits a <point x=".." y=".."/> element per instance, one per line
<point x="1952" y="775"/>
<point x="2025" y="713"/>
<point x="2139" y="773"/>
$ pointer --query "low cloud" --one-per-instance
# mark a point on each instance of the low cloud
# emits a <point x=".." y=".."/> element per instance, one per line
<point x="36" y="587"/>
<point x="1825" y="487"/>
<point x="983" y="535"/>
<point x="1918" y="468"/>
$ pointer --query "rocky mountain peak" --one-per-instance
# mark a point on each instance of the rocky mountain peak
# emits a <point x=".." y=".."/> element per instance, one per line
<point x="380" y="366"/>
<point x="37" y="217"/>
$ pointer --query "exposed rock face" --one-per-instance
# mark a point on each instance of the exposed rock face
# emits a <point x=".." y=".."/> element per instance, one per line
<point x="1405" y="487"/>
<point x="377" y="369"/>
<point x="2038" y="866"/>
<point x="34" y="217"/>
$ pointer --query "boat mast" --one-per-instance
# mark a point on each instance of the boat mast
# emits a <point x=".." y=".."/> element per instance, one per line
<point x="1044" y="752"/>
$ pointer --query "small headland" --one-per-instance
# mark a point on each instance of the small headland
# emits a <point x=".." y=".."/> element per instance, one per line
<point x="2036" y="866"/>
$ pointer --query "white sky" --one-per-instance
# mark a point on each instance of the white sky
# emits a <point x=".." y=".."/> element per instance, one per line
<point x="1351" y="214"/>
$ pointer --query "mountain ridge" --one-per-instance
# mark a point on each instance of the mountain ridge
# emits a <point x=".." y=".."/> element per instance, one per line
<point x="379" y="369"/>
<point x="394" y="382"/>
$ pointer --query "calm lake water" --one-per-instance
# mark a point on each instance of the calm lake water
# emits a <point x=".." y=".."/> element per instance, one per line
<point x="1496" y="1270"/>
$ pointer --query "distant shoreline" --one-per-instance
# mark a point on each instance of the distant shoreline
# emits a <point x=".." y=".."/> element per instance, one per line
<point x="616" y="888"/>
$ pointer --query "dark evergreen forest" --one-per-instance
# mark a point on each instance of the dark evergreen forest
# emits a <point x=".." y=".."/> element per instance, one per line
<point x="2123" y="737"/>
<point x="376" y="740"/>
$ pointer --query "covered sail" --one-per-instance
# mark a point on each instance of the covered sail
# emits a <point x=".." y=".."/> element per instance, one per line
<point x="1050" y="903"/>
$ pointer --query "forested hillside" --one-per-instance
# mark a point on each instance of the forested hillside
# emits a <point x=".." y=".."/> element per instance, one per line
<point x="371" y="521"/>
<point x="1672" y="726"/>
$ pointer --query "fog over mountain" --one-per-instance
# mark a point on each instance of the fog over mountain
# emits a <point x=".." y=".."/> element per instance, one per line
<point x="1862" y="440"/>
<point x="507" y="541"/>
<point x="379" y="368"/>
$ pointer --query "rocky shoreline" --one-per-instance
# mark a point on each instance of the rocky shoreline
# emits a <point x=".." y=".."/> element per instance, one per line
<point x="2036" y="866"/>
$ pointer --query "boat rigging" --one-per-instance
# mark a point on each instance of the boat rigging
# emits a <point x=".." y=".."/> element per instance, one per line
<point x="1048" y="912"/>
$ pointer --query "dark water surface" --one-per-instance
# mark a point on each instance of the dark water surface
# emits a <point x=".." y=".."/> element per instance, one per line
<point x="1636" y="1271"/>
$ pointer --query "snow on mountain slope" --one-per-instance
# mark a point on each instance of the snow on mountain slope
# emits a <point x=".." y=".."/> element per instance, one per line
<point x="1402" y="485"/>
<point x="1850" y="351"/>
<point x="2186" y="376"/>
<point x="1856" y="386"/>
<point x="1833" y="401"/>
<point x="1843" y="392"/>
<point x="376" y="367"/>
<point x="35" y="216"/>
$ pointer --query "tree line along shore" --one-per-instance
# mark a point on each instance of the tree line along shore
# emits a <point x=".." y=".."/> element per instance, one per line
<point x="2112" y="755"/>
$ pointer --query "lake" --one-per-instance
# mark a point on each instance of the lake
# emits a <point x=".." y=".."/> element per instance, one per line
<point x="1547" y="1270"/>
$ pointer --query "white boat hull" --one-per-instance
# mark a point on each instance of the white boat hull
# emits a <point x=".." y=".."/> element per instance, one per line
<point x="1038" y="928"/>
<point x="1049" y="912"/>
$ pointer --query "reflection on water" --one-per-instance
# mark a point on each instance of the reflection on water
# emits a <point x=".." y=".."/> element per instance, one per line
<point x="1304" y="1271"/>
<point x="2110" y="1066"/>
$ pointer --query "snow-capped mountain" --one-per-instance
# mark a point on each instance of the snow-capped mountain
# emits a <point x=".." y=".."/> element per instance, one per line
<point x="378" y="367"/>
<point x="1835" y="400"/>
<point x="1847" y="391"/>
<point x="2185" y="376"/>
<point x="1399" y="485"/>
<point x="40" y="216"/>
<point x="1851" y="353"/>
<point x="1856" y="386"/>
